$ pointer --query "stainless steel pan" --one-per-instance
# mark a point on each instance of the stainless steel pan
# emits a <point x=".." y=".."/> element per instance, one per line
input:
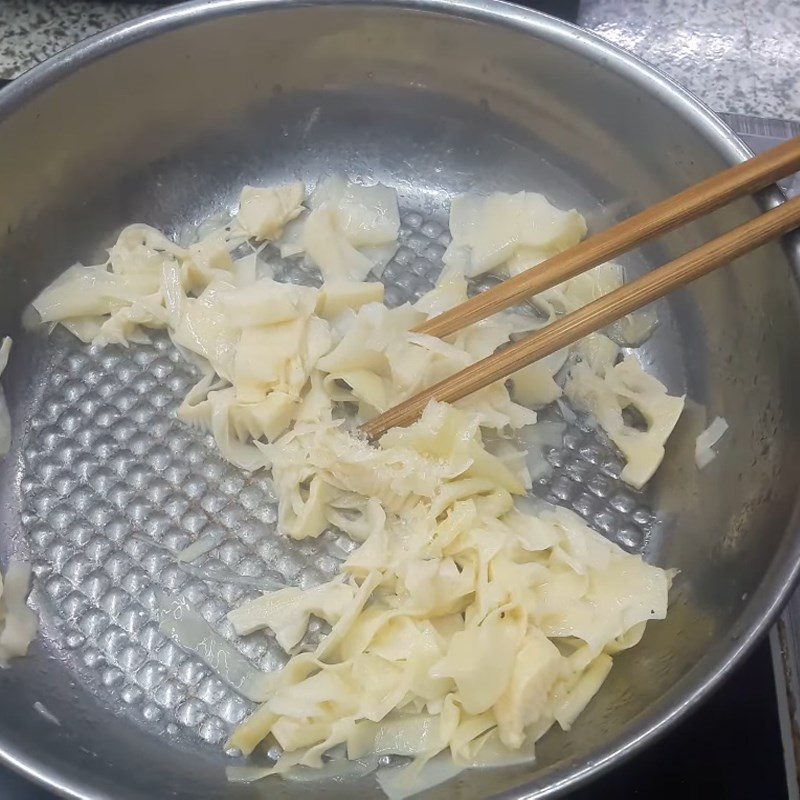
<point x="162" y="120"/>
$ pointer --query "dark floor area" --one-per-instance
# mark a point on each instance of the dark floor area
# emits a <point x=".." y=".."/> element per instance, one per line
<point x="729" y="749"/>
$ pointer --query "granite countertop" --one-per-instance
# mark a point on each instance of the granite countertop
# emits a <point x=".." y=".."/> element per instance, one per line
<point x="33" y="30"/>
<point x="739" y="56"/>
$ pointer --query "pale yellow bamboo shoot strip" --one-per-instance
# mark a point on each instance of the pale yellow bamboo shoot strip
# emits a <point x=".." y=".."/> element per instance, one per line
<point x="595" y="315"/>
<point x="688" y="205"/>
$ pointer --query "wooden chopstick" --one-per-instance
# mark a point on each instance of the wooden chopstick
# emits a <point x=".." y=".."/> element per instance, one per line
<point x="595" y="315"/>
<point x="688" y="205"/>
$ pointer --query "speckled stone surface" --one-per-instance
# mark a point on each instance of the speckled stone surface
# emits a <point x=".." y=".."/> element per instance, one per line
<point x="33" y="30"/>
<point x="738" y="56"/>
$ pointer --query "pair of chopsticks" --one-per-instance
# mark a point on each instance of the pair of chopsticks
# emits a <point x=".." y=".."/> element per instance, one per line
<point x="667" y="215"/>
